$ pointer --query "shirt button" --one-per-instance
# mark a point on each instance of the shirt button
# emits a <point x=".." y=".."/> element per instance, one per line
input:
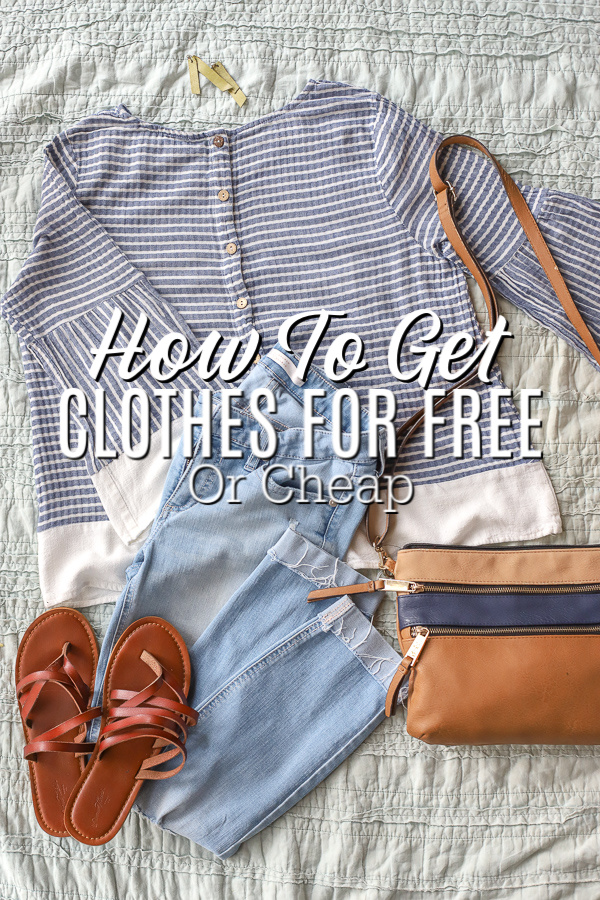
<point x="218" y="141"/>
<point x="223" y="195"/>
<point x="241" y="303"/>
<point x="231" y="248"/>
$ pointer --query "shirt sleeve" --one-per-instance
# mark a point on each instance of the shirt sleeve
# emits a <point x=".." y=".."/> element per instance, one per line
<point x="571" y="228"/>
<point x="402" y="148"/>
<point x="61" y="305"/>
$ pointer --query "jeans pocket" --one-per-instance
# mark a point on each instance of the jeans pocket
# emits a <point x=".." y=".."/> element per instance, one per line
<point x="199" y="480"/>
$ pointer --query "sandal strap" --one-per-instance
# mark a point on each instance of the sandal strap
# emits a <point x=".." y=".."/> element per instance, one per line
<point x="148" y="731"/>
<point x="79" y="749"/>
<point x="148" y="769"/>
<point x="148" y="772"/>
<point x="143" y="715"/>
<point x="78" y="682"/>
<point x="160" y="703"/>
<point x="50" y="674"/>
<point x="62" y="672"/>
<point x="47" y="743"/>
<point x="156" y="707"/>
<point x="143" y="719"/>
<point x="30" y="688"/>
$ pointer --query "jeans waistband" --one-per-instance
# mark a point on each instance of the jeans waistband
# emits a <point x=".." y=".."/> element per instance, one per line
<point x="282" y="365"/>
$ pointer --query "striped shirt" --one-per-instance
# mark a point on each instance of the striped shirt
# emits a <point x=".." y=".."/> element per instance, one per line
<point x="324" y="204"/>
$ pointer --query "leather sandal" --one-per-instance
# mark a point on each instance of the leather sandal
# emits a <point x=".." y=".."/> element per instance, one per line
<point x="54" y="674"/>
<point x="145" y="718"/>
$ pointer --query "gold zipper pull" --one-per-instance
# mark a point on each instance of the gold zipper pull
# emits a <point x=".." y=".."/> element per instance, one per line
<point x="403" y="587"/>
<point x="414" y="651"/>
<point x="412" y="655"/>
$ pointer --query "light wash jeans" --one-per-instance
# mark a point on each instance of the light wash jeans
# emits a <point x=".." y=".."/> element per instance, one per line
<point x="285" y="689"/>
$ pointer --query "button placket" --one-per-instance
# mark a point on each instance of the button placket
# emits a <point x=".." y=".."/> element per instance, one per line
<point x="237" y="300"/>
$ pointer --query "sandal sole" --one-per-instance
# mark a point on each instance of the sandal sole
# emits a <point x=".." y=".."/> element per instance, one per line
<point x="108" y="787"/>
<point x="54" y="775"/>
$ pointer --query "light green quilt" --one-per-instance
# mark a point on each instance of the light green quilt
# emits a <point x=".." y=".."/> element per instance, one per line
<point x="398" y="819"/>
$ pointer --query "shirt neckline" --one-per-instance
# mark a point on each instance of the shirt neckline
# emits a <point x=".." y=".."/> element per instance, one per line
<point x="191" y="136"/>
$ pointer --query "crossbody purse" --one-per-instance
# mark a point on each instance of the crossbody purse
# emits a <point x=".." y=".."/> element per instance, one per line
<point x="500" y="646"/>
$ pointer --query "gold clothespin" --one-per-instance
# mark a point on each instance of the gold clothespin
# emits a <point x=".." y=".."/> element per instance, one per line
<point x="217" y="74"/>
<point x="193" y="70"/>
<point x="233" y="87"/>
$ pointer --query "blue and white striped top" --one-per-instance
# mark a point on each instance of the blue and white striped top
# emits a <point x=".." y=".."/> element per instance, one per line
<point x="325" y="203"/>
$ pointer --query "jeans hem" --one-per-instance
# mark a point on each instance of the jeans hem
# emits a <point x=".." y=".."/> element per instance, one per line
<point x="360" y="636"/>
<point x="312" y="781"/>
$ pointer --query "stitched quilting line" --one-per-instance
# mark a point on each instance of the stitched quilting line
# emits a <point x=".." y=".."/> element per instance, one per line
<point x="368" y="52"/>
<point x="310" y="808"/>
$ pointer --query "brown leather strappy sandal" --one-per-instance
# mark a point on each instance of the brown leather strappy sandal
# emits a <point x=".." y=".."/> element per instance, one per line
<point x="145" y="718"/>
<point x="54" y="673"/>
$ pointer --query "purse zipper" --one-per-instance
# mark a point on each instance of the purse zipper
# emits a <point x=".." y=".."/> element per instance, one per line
<point x="425" y="546"/>
<point x="443" y="630"/>
<point x="421" y="633"/>
<point x="414" y="587"/>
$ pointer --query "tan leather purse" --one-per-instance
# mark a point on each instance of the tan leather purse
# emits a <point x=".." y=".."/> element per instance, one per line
<point x="499" y="646"/>
<point x="502" y="646"/>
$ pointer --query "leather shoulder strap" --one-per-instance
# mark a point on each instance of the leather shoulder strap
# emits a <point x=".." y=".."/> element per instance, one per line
<point x="445" y="197"/>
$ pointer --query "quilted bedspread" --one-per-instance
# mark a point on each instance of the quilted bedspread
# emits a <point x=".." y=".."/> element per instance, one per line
<point x="399" y="818"/>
